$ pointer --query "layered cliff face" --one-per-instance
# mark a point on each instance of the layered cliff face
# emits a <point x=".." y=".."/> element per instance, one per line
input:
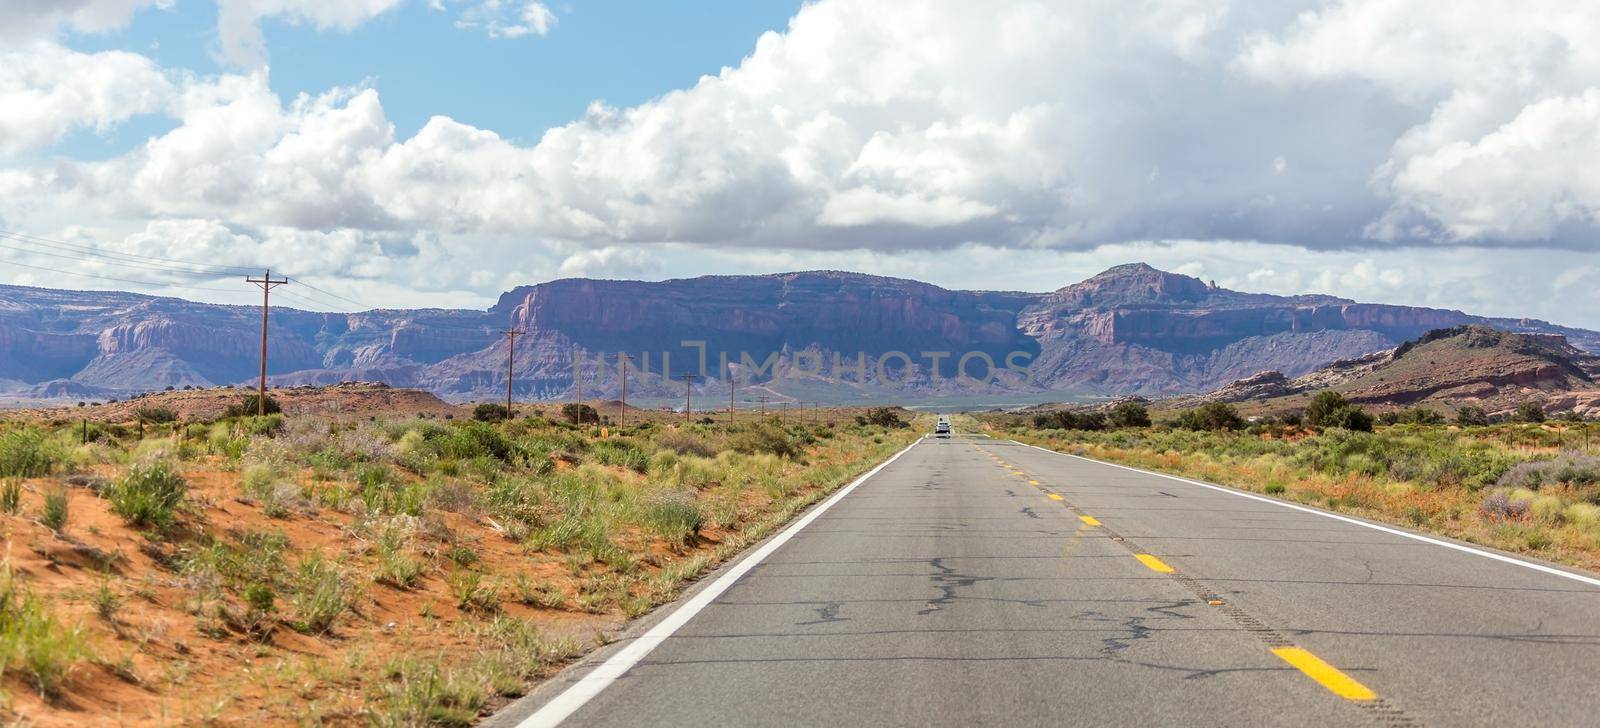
<point x="1131" y="329"/>
<point x="1137" y="329"/>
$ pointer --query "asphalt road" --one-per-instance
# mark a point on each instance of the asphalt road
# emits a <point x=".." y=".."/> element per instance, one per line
<point x="981" y="582"/>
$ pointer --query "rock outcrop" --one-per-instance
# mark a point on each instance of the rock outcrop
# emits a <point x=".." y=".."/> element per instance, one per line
<point x="1470" y="364"/>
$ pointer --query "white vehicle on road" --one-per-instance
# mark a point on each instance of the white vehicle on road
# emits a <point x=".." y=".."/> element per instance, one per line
<point x="943" y="428"/>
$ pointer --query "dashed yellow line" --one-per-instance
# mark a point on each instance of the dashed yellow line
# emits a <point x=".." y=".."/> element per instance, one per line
<point x="1033" y="482"/>
<point x="1327" y="675"/>
<point x="1154" y="563"/>
<point x="1053" y="496"/>
<point x="1091" y="520"/>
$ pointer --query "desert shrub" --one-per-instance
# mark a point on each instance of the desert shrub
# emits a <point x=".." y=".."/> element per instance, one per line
<point x="491" y="412"/>
<point x="1069" y="420"/>
<point x="884" y="417"/>
<point x="247" y="407"/>
<point x="148" y="496"/>
<point x="673" y="514"/>
<point x="381" y="491"/>
<point x="620" y="453"/>
<point x="155" y="415"/>
<point x="1499" y="506"/>
<point x="686" y="443"/>
<point x="32" y="641"/>
<point x="55" y="511"/>
<point x="261" y="426"/>
<point x="1529" y="412"/>
<point x="26" y="453"/>
<point x="580" y="413"/>
<point x="765" y="438"/>
<point x="1330" y="409"/>
<point x="473" y="439"/>
<point x="1412" y="416"/>
<point x="424" y="693"/>
<point x="365" y="444"/>
<point x="319" y="595"/>
<point x="1210" y="416"/>
<point x="1469" y="415"/>
<point x="1129" y="414"/>
<point x="1576" y="469"/>
<point x="10" y="496"/>
<point x="1349" y="418"/>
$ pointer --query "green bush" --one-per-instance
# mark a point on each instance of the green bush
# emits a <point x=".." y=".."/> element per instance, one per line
<point x="26" y="453"/>
<point x="1210" y="416"/>
<point x="1469" y="416"/>
<point x="474" y="439"/>
<point x="1350" y="418"/>
<point x="885" y="417"/>
<point x="1529" y="412"/>
<point x="1330" y="409"/>
<point x="491" y="412"/>
<point x="1130" y="414"/>
<point x="580" y="413"/>
<point x="148" y="496"/>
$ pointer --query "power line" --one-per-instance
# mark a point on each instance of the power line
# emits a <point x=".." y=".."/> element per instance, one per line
<point x="121" y="264"/>
<point x="297" y="281"/>
<point x="114" y="278"/>
<point x="117" y="255"/>
<point x="71" y="251"/>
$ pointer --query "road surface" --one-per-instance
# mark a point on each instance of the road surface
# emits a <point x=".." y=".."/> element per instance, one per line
<point x="973" y="581"/>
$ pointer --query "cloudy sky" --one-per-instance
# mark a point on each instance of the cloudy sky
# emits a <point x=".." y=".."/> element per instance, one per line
<point x="437" y="152"/>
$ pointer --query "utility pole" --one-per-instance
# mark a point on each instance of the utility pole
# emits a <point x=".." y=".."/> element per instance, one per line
<point x="511" y="353"/>
<point x="763" y="399"/>
<point x="577" y="382"/>
<point x="688" y="379"/>
<point x="730" y="394"/>
<point x="782" y="412"/>
<point x="267" y="283"/>
<point x="622" y="409"/>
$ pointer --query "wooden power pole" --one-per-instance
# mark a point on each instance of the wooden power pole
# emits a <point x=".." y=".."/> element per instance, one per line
<point x="511" y="354"/>
<point x="622" y="407"/>
<point x="688" y="381"/>
<point x="730" y="394"/>
<point x="267" y="283"/>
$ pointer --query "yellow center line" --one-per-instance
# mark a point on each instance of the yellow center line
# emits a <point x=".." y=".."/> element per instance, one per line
<point x="1033" y="482"/>
<point x="1091" y="520"/>
<point x="1327" y="675"/>
<point x="1154" y="563"/>
<point x="1053" y="496"/>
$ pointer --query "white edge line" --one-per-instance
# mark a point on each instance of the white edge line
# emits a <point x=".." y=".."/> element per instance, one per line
<point x="1356" y="521"/>
<point x="570" y="700"/>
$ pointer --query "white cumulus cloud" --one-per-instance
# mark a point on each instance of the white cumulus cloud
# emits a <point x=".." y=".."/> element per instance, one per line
<point x="871" y="129"/>
<point x="47" y="91"/>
